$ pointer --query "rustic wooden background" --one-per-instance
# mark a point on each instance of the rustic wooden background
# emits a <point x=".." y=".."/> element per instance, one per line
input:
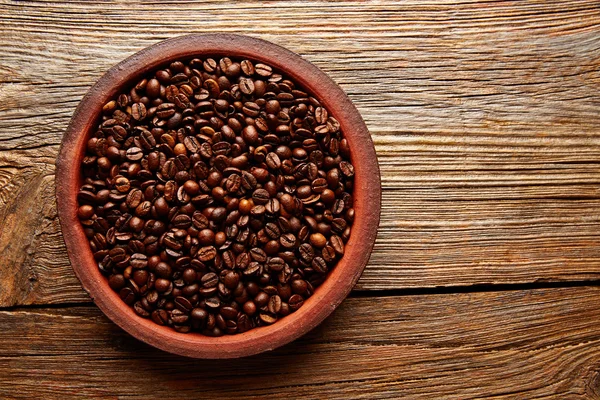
<point x="485" y="276"/>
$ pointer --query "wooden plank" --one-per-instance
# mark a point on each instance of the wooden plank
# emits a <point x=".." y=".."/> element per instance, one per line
<point x="515" y="344"/>
<point x="484" y="116"/>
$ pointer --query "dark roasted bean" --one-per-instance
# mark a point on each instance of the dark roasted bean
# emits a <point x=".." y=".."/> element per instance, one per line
<point x="295" y="302"/>
<point x="337" y="244"/>
<point x="207" y="253"/>
<point x="260" y="196"/>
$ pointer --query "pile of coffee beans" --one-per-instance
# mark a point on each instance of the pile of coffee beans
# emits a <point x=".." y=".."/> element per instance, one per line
<point x="216" y="196"/>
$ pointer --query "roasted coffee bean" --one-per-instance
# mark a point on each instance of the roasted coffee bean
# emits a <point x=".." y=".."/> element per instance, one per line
<point x="242" y="261"/>
<point x="179" y="316"/>
<point x="337" y="244"/>
<point x="319" y="265"/>
<point x="134" y="154"/>
<point x="295" y="302"/>
<point x="328" y="253"/>
<point x="246" y="86"/>
<point x="233" y="183"/>
<point x="213" y="303"/>
<point x="273" y="162"/>
<point x="263" y="70"/>
<point x="231" y="280"/>
<point x="116" y="282"/>
<point x="122" y="184"/>
<point x="134" y="198"/>
<point x="209" y="280"/>
<point x="139" y="310"/>
<point x="127" y="295"/>
<point x="260" y="196"/>
<point x="183" y="304"/>
<point x="307" y="253"/>
<point x="276" y="264"/>
<point x="217" y="195"/>
<point x="138" y="111"/>
<point x="258" y="255"/>
<point x="207" y="253"/>
<point x="138" y="260"/>
<point x="287" y="240"/>
<point x="199" y="314"/>
<point x="274" y="305"/>
<point x="299" y="286"/>
<point x="160" y="317"/>
<point x="273" y="207"/>
<point x="272" y="230"/>
<point x="318" y="240"/>
<point x="199" y="220"/>
<point x="347" y="169"/>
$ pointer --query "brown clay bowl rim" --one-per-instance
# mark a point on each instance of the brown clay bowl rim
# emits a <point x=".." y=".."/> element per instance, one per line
<point x="367" y="196"/>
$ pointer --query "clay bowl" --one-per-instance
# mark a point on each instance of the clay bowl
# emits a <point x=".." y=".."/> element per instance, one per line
<point x="367" y="196"/>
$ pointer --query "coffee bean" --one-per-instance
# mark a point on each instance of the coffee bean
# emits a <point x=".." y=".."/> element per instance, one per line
<point x="295" y="302"/>
<point x="260" y="196"/>
<point x="122" y="184"/>
<point x="189" y="275"/>
<point x="165" y="110"/>
<point x="263" y="70"/>
<point x="337" y="244"/>
<point x="116" y="282"/>
<point x="287" y="240"/>
<point x="179" y="316"/>
<point x="138" y="111"/>
<point x="247" y="67"/>
<point x="339" y="225"/>
<point x="231" y="280"/>
<point x="276" y="264"/>
<point x="319" y="265"/>
<point x="299" y="286"/>
<point x="138" y="260"/>
<point x="233" y="183"/>
<point x="242" y="261"/>
<point x="183" y="304"/>
<point x="207" y="253"/>
<point x="274" y="305"/>
<point x="307" y="253"/>
<point x="328" y="253"/>
<point x="199" y="314"/>
<point x="127" y="295"/>
<point x="162" y="285"/>
<point x="347" y="169"/>
<point x="273" y="161"/>
<point x="213" y="303"/>
<point x="160" y="317"/>
<point x="258" y="255"/>
<point x="134" y="198"/>
<point x="134" y="154"/>
<point x="139" y="310"/>
<point x="338" y="207"/>
<point x="181" y="221"/>
<point x="246" y="86"/>
<point x="209" y="280"/>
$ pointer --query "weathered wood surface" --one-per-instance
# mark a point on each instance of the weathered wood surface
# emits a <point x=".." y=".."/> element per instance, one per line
<point x="485" y="119"/>
<point x="486" y="122"/>
<point x="516" y="344"/>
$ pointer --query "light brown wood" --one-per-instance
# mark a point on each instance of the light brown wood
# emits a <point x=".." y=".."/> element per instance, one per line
<point x="516" y="344"/>
<point x="485" y="118"/>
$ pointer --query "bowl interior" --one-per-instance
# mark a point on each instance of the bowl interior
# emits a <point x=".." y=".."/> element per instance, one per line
<point x="367" y="194"/>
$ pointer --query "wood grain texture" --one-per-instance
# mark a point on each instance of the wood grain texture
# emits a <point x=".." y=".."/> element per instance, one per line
<point x="518" y="344"/>
<point x="485" y="118"/>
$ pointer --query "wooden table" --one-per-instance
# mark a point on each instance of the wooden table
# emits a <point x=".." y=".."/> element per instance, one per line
<point x="484" y="278"/>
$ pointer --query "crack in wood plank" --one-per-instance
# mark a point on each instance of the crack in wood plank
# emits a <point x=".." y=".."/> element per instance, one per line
<point x="526" y="344"/>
